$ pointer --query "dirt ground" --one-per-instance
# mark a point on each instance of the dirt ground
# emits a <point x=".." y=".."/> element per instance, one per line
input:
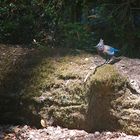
<point x="9" y="132"/>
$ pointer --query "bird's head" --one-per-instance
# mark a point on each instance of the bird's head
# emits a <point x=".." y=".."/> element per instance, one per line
<point x="100" y="44"/>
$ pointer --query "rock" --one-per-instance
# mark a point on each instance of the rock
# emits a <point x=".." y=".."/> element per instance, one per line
<point x="113" y="104"/>
<point x="104" y="87"/>
<point x="129" y="114"/>
<point x="131" y="69"/>
<point x="55" y="133"/>
<point x="49" y="86"/>
<point x="43" y="123"/>
<point x="97" y="133"/>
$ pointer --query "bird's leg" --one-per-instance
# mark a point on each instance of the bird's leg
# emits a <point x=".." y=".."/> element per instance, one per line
<point x="107" y="59"/>
<point x="112" y="58"/>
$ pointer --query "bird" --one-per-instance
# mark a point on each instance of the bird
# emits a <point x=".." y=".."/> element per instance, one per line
<point x="106" y="50"/>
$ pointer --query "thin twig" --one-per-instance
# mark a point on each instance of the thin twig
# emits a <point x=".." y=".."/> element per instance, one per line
<point x="92" y="72"/>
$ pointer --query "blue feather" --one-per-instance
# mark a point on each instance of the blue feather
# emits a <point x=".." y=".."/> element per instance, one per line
<point x="110" y="50"/>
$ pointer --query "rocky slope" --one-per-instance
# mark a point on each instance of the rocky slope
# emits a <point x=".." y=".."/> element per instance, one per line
<point x="70" y="88"/>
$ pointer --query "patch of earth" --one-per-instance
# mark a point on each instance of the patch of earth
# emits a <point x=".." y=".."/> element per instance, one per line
<point x="57" y="133"/>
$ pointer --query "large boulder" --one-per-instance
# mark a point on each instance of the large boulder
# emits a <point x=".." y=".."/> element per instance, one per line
<point x="113" y="104"/>
<point x="64" y="87"/>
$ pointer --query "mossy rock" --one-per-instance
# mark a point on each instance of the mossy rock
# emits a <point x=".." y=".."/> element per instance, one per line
<point x="112" y="105"/>
<point x="48" y="84"/>
<point x="34" y="80"/>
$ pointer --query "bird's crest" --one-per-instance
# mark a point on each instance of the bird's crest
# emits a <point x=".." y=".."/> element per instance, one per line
<point x="101" y="43"/>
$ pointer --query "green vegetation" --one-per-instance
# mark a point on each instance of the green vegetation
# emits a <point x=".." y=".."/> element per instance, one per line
<point x="109" y="76"/>
<point x="37" y="83"/>
<point x="72" y="23"/>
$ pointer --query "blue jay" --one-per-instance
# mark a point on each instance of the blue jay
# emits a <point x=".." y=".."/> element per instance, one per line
<point x="108" y="51"/>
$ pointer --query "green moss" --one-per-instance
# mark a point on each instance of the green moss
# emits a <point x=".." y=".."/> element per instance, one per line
<point x="52" y="86"/>
<point x="107" y="77"/>
<point x="71" y="117"/>
<point x="41" y="79"/>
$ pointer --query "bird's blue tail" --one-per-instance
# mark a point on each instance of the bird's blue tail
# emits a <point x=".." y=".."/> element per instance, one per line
<point x="116" y="50"/>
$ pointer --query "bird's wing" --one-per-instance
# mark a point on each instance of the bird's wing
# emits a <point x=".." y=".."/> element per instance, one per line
<point x="108" y="50"/>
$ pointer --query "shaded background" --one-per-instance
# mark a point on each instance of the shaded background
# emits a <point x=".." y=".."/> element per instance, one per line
<point x="72" y="23"/>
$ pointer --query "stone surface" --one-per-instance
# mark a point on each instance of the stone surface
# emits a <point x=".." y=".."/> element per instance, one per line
<point x="58" y="133"/>
<point x="131" y="68"/>
<point x="113" y="104"/>
<point x="57" y="87"/>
